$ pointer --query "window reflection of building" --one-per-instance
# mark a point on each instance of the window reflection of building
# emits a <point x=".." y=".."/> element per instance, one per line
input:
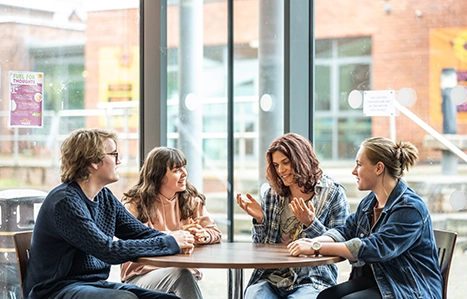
<point x="358" y="47"/>
<point x="34" y="40"/>
<point x="342" y="65"/>
<point x="215" y="103"/>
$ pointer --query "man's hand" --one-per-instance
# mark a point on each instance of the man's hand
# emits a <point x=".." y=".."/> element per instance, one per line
<point x="184" y="239"/>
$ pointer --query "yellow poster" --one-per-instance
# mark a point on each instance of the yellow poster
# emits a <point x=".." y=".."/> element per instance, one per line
<point x="119" y="84"/>
<point x="448" y="52"/>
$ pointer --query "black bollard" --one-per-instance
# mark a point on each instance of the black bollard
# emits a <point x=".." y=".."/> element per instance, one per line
<point x="449" y="111"/>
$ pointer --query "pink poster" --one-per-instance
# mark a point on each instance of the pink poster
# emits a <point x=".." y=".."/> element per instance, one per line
<point x="26" y="98"/>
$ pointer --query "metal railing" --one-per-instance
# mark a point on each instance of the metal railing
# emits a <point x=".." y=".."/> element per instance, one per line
<point x="443" y="140"/>
<point x="121" y="117"/>
<point x="57" y="127"/>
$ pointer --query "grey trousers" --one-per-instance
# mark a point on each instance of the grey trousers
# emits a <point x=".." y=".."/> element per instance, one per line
<point x="178" y="281"/>
<point x="108" y="290"/>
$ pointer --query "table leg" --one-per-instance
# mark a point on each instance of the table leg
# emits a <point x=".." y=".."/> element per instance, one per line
<point x="235" y="284"/>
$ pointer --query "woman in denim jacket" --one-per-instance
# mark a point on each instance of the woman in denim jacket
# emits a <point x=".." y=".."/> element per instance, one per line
<point x="389" y="239"/>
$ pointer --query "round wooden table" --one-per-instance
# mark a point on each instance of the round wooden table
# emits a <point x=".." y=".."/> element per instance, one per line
<point x="236" y="257"/>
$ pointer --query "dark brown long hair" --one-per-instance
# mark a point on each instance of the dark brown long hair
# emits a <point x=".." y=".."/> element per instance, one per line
<point x="303" y="160"/>
<point x="145" y="193"/>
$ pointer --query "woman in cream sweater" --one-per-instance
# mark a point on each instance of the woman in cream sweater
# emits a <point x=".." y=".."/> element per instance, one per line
<point x="164" y="199"/>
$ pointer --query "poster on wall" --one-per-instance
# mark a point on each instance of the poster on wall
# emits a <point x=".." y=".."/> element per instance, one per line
<point x="119" y="83"/>
<point x="26" y="98"/>
<point x="448" y="54"/>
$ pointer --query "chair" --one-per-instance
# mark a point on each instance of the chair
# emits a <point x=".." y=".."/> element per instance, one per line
<point x="445" y="241"/>
<point x="22" y="242"/>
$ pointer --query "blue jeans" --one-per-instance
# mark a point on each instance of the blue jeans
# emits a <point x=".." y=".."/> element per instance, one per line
<point x="108" y="290"/>
<point x="265" y="290"/>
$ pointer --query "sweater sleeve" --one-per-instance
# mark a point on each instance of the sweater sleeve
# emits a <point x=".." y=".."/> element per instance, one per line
<point x="92" y="231"/>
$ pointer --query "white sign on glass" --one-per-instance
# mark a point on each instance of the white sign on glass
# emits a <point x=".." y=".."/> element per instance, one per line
<point x="378" y="103"/>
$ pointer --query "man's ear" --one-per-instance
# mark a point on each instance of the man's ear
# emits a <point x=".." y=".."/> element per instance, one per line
<point x="94" y="166"/>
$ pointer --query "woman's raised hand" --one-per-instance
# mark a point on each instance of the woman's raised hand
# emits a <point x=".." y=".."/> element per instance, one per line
<point x="300" y="246"/>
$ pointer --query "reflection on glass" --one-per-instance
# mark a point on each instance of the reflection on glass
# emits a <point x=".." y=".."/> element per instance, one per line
<point x="89" y="53"/>
<point x="89" y="56"/>
<point x="323" y="88"/>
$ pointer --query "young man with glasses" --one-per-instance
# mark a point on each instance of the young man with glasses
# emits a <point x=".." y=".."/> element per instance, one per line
<point x="82" y="228"/>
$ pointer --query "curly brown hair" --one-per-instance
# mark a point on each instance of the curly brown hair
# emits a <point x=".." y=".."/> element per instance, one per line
<point x="144" y="195"/>
<point x="305" y="164"/>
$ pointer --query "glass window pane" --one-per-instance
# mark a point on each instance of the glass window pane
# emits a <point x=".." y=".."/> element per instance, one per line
<point x="88" y="57"/>
<point x="348" y="47"/>
<point x="323" y="48"/>
<point x="421" y="61"/>
<point x="323" y="139"/>
<point x="323" y="88"/>
<point x="352" y="77"/>
<point x="205" y="73"/>
<point x="351" y="132"/>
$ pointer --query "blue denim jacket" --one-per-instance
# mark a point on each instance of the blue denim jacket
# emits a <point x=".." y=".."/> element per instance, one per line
<point x="400" y="247"/>
<point x="331" y="209"/>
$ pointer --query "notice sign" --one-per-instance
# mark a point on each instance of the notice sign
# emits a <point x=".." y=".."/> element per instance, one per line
<point x="26" y="98"/>
<point x="378" y="103"/>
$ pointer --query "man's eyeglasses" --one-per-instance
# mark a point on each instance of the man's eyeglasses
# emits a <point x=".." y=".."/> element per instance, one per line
<point x="115" y="154"/>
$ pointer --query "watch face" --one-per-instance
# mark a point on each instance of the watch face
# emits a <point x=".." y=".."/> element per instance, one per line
<point x="316" y="245"/>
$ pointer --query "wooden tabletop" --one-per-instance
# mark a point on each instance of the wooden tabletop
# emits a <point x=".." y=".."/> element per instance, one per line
<point x="238" y="256"/>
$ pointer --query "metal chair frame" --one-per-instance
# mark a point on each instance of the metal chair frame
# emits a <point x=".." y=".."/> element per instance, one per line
<point x="446" y="243"/>
<point x="22" y="242"/>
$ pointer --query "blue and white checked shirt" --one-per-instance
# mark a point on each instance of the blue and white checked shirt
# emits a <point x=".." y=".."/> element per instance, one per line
<point x="331" y="209"/>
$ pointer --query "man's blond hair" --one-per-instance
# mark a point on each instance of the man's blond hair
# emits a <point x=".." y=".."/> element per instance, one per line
<point x="79" y="150"/>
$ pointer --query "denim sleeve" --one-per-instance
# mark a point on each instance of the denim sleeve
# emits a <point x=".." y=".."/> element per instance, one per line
<point x="354" y="245"/>
<point x="334" y="215"/>
<point x="398" y="232"/>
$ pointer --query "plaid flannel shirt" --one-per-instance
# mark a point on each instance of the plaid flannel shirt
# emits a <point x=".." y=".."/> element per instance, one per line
<point x="331" y="209"/>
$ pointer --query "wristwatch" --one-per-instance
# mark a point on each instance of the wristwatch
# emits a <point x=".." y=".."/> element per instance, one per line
<point x="316" y="246"/>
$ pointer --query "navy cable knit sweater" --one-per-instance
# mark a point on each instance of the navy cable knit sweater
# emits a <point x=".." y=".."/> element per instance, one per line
<point x="73" y="240"/>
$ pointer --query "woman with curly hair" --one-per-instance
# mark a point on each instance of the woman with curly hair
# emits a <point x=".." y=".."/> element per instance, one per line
<point x="164" y="199"/>
<point x="301" y="202"/>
